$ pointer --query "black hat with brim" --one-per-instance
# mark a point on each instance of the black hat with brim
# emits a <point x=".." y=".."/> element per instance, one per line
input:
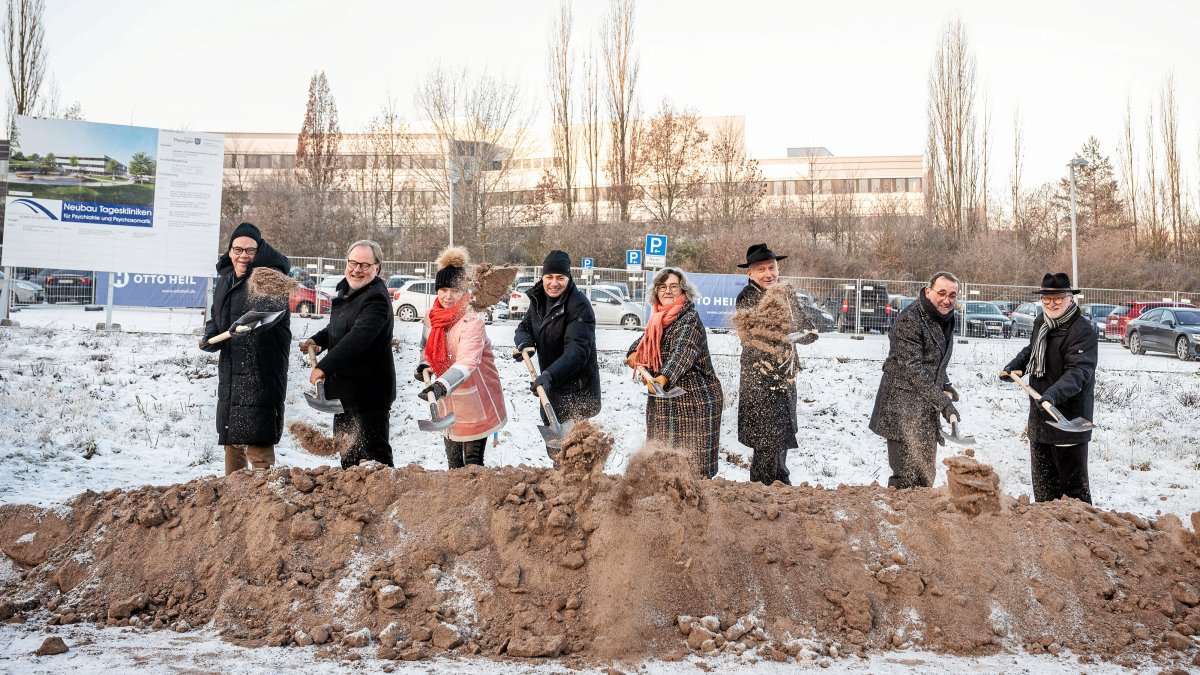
<point x="1054" y="284"/>
<point x="758" y="253"/>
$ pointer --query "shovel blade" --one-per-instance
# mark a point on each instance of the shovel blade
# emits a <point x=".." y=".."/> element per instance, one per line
<point x="553" y="436"/>
<point x="319" y="402"/>
<point x="673" y="392"/>
<point x="1077" y="425"/>
<point x="437" y="423"/>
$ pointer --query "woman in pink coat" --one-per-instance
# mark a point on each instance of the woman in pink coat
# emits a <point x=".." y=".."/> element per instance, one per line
<point x="455" y="347"/>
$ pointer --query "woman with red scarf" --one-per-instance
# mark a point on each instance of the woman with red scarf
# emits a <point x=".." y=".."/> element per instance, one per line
<point x="456" y="350"/>
<point x="674" y="350"/>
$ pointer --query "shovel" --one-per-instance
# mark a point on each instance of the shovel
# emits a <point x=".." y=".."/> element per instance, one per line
<point x="1060" y="420"/>
<point x="552" y="433"/>
<point x="956" y="436"/>
<point x="246" y="323"/>
<point x="317" y="401"/>
<point x="674" y="392"/>
<point x="803" y="337"/>
<point x="436" y="422"/>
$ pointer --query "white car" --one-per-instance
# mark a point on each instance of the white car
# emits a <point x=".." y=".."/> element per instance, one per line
<point x="24" y="292"/>
<point x="411" y="302"/>
<point x="518" y="301"/>
<point x="329" y="284"/>
<point x="610" y="308"/>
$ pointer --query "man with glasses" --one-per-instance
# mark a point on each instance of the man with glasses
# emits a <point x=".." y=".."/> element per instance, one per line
<point x="915" y="389"/>
<point x="252" y="370"/>
<point x="1061" y="361"/>
<point x="357" y="365"/>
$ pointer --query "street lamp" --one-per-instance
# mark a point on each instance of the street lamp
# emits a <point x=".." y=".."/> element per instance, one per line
<point x="1076" y="163"/>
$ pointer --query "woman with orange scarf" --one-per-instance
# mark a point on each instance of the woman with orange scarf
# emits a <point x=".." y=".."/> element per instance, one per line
<point x="458" y="355"/>
<point x="674" y="350"/>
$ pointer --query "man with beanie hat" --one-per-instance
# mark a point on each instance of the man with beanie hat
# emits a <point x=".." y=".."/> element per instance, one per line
<point x="561" y="326"/>
<point x="915" y="389"/>
<point x="357" y="363"/>
<point x="252" y="370"/>
<point x="1061" y="361"/>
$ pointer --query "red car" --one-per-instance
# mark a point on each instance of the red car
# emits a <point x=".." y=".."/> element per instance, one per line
<point x="1119" y="318"/>
<point x="308" y="302"/>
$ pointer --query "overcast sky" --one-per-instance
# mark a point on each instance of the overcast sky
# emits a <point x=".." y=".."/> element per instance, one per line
<point x="850" y="76"/>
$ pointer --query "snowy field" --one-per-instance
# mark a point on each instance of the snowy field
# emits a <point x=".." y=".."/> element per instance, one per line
<point x="85" y="409"/>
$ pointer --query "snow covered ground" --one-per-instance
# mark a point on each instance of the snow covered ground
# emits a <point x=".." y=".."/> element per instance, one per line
<point x="85" y="409"/>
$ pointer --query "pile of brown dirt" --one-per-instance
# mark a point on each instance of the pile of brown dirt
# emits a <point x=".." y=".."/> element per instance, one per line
<point x="314" y="441"/>
<point x="490" y="285"/>
<point x="270" y="283"/>
<point x="576" y="564"/>
<point x="974" y="488"/>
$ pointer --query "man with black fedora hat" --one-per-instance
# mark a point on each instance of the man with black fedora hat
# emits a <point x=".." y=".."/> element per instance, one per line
<point x="1061" y="361"/>
<point x="767" y="399"/>
<point x="561" y="326"/>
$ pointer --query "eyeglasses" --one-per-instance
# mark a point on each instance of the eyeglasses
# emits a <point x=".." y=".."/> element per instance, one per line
<point x="239" y="251"/>
<point x="1053" y="299"/>
<point x="674" y="288"/>
<point x="944" y="294"/>
<point x="361" y="266"/>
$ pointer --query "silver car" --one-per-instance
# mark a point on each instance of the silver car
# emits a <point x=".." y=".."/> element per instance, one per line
<point x="611" y="309"/>
<point x="24" y="292"/>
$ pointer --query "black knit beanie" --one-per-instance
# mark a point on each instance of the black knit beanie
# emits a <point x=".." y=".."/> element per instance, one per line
<point x="246" y="230"/>
<point x="557" y="262"/>
<point x="450" y="277"/>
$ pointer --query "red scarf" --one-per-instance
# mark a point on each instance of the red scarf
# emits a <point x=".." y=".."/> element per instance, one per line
<point x="649" y="349"/>
<point x="437" y="353"/>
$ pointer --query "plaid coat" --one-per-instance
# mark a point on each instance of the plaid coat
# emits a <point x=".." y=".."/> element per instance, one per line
<point x="691" y="422"/>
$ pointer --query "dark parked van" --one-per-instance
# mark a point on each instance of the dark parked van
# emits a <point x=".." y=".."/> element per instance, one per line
<point x="864" y="309"/>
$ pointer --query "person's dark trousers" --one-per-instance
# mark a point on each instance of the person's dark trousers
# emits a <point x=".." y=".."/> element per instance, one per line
<point x="767" y="466"/>
<point x="911" y="467"/>
<point x="370" y="431"/>
<point x="1060" y="471"/>
<point x="462" y="453"/>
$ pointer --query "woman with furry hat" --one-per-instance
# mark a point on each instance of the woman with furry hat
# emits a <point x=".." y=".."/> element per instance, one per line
<point x="456" y="351"/>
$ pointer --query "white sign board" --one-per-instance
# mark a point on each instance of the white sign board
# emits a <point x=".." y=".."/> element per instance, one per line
<point x="112" y="198"/>
<point x="656" y="250"/>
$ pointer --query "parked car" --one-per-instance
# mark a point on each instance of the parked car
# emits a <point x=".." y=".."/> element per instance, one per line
<point x="611" y="309"/>
<point x="328" y="285"/>
<point x="1024" y="316"/>
<point x="1007" y="307"/>
<point x="66" y="285"/>
<point x="1119" y="318"/>
<point x="24" y="292"/>
<point x="1097" y="313"/>
<point x="1174" y="330"/>
<point x="309" y="301"/>
<point x="518" y="302"/>
<point x="985" y="319"/>
<point x="823" y="319"/>
<point x="896" y="304"/>
<point x="866" y="310"/>
<point x="397" y="280"/>
<point x="300" y="274"/>
<point x="411" y="302"/>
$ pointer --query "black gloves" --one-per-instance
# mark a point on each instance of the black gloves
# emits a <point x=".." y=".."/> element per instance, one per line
<point x="542" y="381"/>
<point x="950" y="391"/>
<point x="436" y="388"/>
<point x="950" y="411"/>
<point x="419" y="373"/>
<point x="518" y="353"/>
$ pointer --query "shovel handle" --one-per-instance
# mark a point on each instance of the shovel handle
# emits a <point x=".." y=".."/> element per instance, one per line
<point x="221" y="337"/>
<point x="312" y="355"/>
<point x="645" y="375"/>
<point x="529" y="363"/>
<point x="1036" y="396"/>
<point x="428" y="397"/>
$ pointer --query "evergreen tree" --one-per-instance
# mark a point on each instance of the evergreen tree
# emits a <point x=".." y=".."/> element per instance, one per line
<point x="1097" y="206"/>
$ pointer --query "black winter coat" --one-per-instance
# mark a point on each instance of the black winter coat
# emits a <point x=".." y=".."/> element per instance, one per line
<point x="252" y="371"/>
<point x="1069" y="381"/>
<point x="767" y="401"/>
<point x="910" y="396"/>
<point x="357" y="348"/>
<point x="563" y="330"/>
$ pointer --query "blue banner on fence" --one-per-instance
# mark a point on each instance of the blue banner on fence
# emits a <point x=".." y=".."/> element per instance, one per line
<point x="716" y="295"/>
<point x="152" y="290"/>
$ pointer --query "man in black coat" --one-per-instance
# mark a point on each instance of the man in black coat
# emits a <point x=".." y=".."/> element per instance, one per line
<point x="914" y="388"/>
<point x="1061" y="362"/>
<point x="767" y="396"/>
<point x="357" y="367"/>
<point x="252" y="370"/>
<point x="561" y="326"/>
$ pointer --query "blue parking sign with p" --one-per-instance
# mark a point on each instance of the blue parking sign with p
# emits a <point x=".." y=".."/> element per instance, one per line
<point x="633" y="257"/>
<point x="656" y="244"/>
<point x="588" y="263"/>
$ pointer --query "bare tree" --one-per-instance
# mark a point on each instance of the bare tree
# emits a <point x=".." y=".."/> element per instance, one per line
<point x="985" y="158"/>
<point x="318" y="162"/>
<point x="25" y="49"/>
<point x="1158" y="239"/>
<point x="952" y="152"/>
<point x="1172" y="187"/>
<point x="562" y="80"/>
<point x="380" y="156"/>
<point x="592" y="132"/>
<point x="1017" y="169"/>
<point x="1126" y="157"/>
<point x="670" y="165"/>
<point x="621" y="64"/>
<point x="736" y="185"/>
<point x="480" y="121"/>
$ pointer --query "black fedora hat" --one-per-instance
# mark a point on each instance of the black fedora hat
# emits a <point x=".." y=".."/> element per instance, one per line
<point x="1053" y="284"/>
<point x="759" y="253"/>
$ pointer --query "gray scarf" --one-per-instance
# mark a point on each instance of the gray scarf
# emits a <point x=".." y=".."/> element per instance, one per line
<point x="1037" y="359"/>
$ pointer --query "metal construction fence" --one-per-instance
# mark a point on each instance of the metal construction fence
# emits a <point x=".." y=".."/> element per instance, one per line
<point x="853" y="304"/>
